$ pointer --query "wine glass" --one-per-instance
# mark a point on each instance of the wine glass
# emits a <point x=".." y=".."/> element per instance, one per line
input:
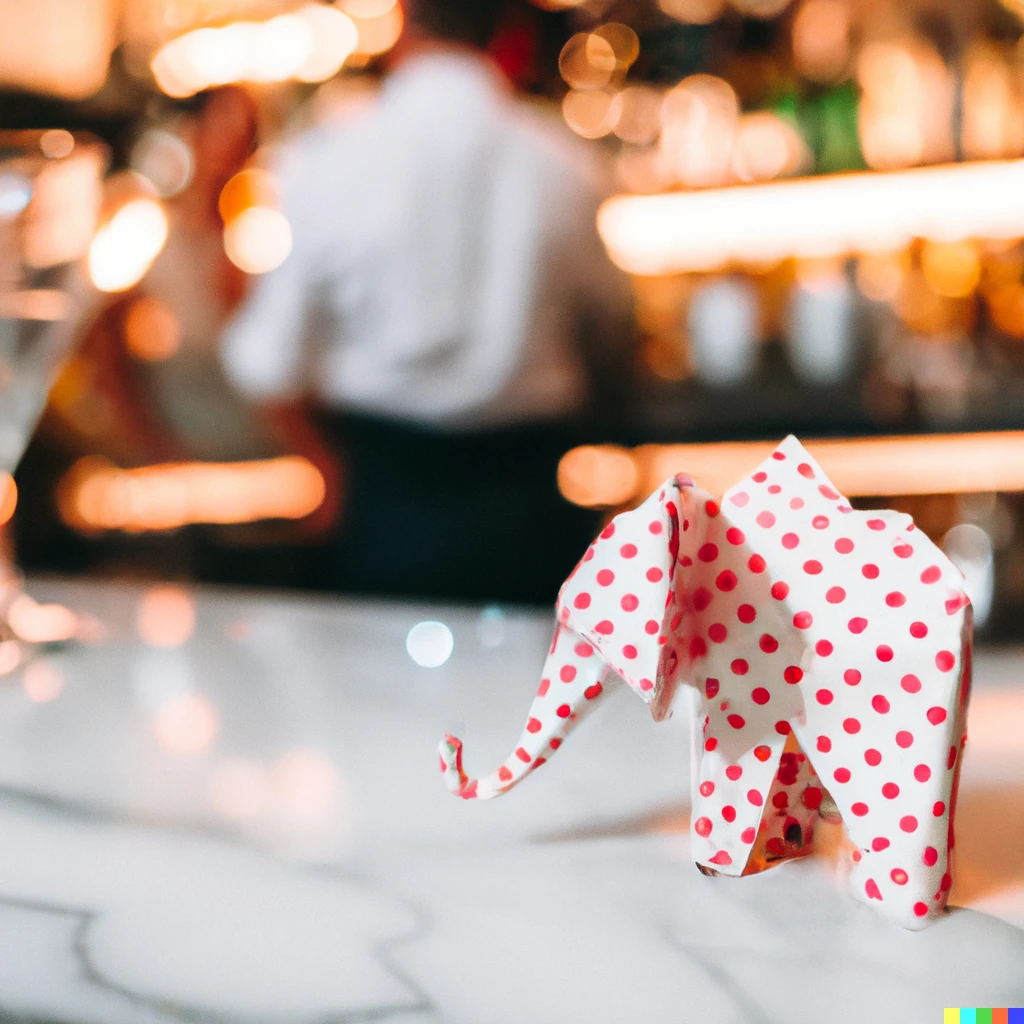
<point x="50" y="199"/>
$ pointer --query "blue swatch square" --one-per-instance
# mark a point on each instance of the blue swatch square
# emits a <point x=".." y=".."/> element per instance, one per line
<point x="1015" y="1015"/>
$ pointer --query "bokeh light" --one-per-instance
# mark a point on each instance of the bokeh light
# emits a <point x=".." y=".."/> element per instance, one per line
<point x="126" y="246"/>
<point x="42" y="681"/>
<point x="258" y="240"/>
<point x="306" y="784"/>
<point x="952" y="269"/>
<point x="8" y="497"/>
<point x="152" y="331"/>
<point x="40" y="623"/>
<point x="590" y="112"/>
<point x="430" y="644"/>
<point x="164" y="160"/>
<point x="693" y="12"/>
<point x="378" y="34"/>
<point x="166" y="616"/>
<point x="880" y="274"/>
<point x="821" y="39"/>
<point x="239" y="788"/>
<point x="186" y="724"/>
<point x="767" y="147"/>
<point x="598" y="476"/>
<point x="699" y="118"/>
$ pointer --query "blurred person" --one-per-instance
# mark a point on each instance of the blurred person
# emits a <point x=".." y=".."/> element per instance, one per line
<point x="449" y="311"/>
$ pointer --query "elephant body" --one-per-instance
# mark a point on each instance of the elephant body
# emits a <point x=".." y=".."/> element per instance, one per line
<point x="830" y="651"/>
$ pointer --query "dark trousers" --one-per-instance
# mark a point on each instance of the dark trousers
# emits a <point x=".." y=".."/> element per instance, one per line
<point x="452" y="516"/>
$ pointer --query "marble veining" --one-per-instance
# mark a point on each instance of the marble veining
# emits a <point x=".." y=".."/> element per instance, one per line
<point x="248" y="826"/>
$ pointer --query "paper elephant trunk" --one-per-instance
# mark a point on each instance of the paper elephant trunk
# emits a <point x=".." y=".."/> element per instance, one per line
<point x="830" y="651"/>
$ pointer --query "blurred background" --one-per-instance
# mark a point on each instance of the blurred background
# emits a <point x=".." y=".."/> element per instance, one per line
<point x="404" y="299"/>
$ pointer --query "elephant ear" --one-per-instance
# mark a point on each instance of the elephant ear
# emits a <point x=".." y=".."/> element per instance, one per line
<point x="622" y="597"/>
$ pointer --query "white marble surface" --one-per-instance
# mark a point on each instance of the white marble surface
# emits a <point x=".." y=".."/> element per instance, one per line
<point x="249" y="825"/>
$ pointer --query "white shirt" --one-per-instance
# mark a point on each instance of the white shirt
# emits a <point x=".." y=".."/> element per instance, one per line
<point x="445" y="249"/>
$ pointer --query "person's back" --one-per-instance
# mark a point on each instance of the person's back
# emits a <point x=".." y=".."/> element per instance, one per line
<point x="445" y="258"/>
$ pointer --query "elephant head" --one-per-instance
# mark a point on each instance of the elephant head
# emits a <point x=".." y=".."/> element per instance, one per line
<point x="830" y="650"/>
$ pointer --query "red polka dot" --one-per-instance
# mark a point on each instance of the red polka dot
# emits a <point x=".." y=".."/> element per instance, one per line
<point x="851" y="725"/>
<point x="951" y="760"/>
<point x="760" y="695"/>
<point x="812" y="798"/>
<point x="740" y="498"/>
<point x="765" y="519"/>
<point x="755" y="797"/>
<point x="606" y="577"/>
<point x="918" y="630"/>
<point x="869" y="571"/>
<point x="890" y="791"/>
<point x="828" y="492"/>
<point x="904" y="739"/>
<point x="735" y="536"/>
<point x="803" y="620"/>
<point x="908" y="823"/>
<point x="630" y="602"/>
<point x="583" y="650"/>
<point x="710" y="743"/>
<point x="711" y="687"/>
<point x="946" y="882"/>
<point x="793" y="674"/>
<point x="796" y="502"/>
<point x="944" y="661"/>
<point x="747" y="836"/>
<point x="563" y="711"/>
<point x="835" y="595"/>
<point x="712" y="509"/>
<point x="582" y="600"/>
<point x="841" y="775"/>
<point x="655" y="575"/>
<point x="911" y="683"/>
<point x="589" y="555"/>
<point x="936" y="715"/>
<point x="759" y="477"/>
<point x="790" y="540"/>
<point x="899" y="876"/>
<point x="824" y="696"/>
<point x="857" y="625"/>
<point x="708" y="552"/>
<point x="851" y="677"/>
<point x="779" y="456"/>
<point x="698" y="647"/>
<point x="931" y="856"/>
<point x="757" y="564"/>
<point x="780" y="800"/>
<point x="805" y="470"/>
<point x="655" y="527"/>
<point x="533" y="725"/>
<point x="628" y="551"/>
<point x="931" y="575"/>
<point x="608" y="531"/>
<point x="824" y="744"/>
<point x="604" y="627"/>
<point x="783" y="728"/>
<point x="746" y="613"/>
<point x="844" y="545"/>
<point x="729" y="813"/>
<point x="707" y="788"/>
<point x="903" y="550"/>
<point x="726" y="580"/>
<point x="879" y="843"/>
<point x="733" y="772"/>
<point x="543" y="688"/>
<point x="859" y="808"/>
<point x="873" y="757"/>
<point x="702" y="826"/>
<point x="768" y="643"/>
<point x="504" y="774"/>
<point x="939" y="809"/>
<point x="820" y="522"/>
<point x="823" y="648"/>
<point x="876" y="524"/>
<point x="895" y="599"/>
<point x="812" y="567"/>
<point x="651" y="627"/>
<point x="736" y="721"/>
<point x="921" y="909"/>
<point x="702" y="598"/>
<point x="740" y="667"/>
<point x="629" y="651"/>
<point x="774" y="489"/>
<point x="883" y="652"/>
<point x="922" y="773"/>
<point x="762" y="753"/>
<point x="780" y="591"/>
<point x="591" y="692"/>
<point x="567" y="674"/>
<point x="717" y="632"/>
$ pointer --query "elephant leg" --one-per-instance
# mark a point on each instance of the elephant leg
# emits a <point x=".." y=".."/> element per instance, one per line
<point x="575" y="677"/>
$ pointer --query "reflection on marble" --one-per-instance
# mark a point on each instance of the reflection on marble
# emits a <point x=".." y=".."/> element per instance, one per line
<point x="227" y="811"/>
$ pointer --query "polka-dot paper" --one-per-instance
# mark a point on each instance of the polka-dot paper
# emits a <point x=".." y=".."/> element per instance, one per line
<point x="830" y="650"/>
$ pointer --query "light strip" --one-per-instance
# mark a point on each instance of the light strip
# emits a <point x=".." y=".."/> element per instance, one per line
<point x="835" y="215"/>
<point x="868" y="467"/>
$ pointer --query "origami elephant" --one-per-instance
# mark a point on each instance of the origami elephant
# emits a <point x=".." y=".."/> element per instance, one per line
<point x="827" y="647"/>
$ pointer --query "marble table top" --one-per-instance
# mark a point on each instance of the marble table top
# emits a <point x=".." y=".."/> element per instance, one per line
<point x="226" y="808"/>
